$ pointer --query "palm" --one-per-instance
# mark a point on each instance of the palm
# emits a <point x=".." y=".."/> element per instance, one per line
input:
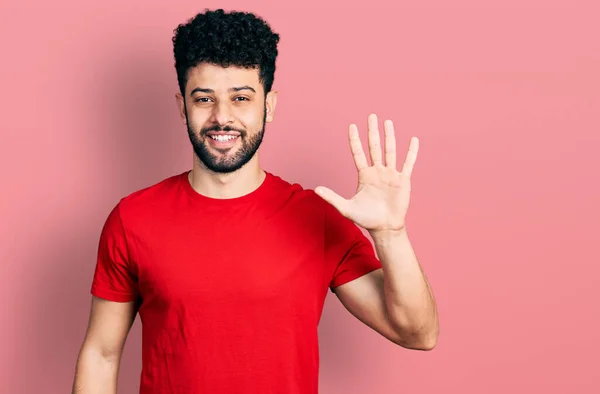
<point x="383" y="193"/>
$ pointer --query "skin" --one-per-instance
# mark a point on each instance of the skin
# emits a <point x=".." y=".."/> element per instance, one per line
<point x="99" y="358"/>
<point x="245" y="109"/>
<point x="395" y="301"/>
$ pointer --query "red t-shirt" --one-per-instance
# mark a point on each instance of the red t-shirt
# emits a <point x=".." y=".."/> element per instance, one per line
<point x="231" y="290"/>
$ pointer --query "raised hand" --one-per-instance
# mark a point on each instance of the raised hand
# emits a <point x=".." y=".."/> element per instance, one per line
<point x="383" y="193"/>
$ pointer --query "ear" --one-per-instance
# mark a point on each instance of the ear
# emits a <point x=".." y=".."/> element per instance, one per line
<point x="271" y="103"/>
<point x="181" y="105"/>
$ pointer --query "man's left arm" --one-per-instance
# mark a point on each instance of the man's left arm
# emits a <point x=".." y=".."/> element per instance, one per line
<point x="396" y="300"/>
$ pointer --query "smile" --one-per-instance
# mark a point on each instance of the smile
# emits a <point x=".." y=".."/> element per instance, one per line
<point x="224" y="138"/>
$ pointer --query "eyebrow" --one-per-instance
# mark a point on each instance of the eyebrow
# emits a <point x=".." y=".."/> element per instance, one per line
<point x="234" y="89"/>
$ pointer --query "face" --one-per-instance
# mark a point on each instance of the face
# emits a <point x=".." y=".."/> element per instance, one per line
<point x="225" y="111"/>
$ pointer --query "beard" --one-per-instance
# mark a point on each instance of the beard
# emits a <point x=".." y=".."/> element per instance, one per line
<point x="226" y="163"/>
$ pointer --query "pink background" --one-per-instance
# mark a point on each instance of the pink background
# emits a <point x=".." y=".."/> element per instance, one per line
<point x="504" y="95"/>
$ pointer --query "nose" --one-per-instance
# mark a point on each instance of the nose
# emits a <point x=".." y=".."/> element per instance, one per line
<point x="222" y="113"/>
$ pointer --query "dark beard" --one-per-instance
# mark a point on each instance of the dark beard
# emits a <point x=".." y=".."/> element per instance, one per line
<point x="249" y="148"/>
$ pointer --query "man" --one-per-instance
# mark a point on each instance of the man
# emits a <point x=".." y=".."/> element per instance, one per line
<point x="229" y="265"/>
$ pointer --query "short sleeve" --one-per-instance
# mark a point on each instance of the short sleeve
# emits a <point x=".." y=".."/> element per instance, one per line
<point x="347" y="249"/>
<point x="114" y="278"/>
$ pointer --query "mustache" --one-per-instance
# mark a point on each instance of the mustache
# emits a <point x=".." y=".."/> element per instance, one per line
<point x="219" y="128"/>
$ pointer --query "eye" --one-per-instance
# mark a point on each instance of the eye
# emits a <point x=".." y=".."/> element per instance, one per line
<point x="202" y="99"/>
<point x="241" y="98"/>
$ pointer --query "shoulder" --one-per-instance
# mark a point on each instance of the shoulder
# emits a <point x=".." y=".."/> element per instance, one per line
<point x="303" y="199"/>
<point x="311" y="199"/>
<point x="309" y="209"/>
<point x="149" y="199"/>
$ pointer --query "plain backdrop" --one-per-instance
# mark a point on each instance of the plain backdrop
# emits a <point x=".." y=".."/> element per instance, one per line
<point x="504" y="96"/>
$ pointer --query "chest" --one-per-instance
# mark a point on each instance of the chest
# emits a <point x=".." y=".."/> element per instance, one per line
<point x="277" y="264"/>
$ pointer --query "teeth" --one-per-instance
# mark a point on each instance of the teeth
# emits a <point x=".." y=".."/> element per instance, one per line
<point x="223" y="137"/>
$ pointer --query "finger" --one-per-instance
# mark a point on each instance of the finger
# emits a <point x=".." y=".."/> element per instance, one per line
<point x="338" y="202"/>
<point x="390" y="144"/>
<point x="360" y="160"/>
<point x="374" y="140"/>
<point x="411" y="157"/>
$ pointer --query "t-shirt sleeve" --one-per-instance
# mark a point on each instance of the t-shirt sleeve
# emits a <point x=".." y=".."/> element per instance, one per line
<point x="114" y="277"/>
<point x="347" y="249"/>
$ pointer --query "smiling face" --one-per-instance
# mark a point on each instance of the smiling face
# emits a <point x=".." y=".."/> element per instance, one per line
<point x="225" y="111"/>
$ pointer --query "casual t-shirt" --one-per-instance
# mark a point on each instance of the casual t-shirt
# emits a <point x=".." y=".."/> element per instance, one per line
<point x="230" y="290"/>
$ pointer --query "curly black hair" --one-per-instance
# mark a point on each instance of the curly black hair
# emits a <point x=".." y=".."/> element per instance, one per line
<point x="226" y="39"/>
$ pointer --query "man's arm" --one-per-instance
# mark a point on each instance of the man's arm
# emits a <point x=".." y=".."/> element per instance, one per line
<point x="396" y="300"/>
<point x="98" y="361"/>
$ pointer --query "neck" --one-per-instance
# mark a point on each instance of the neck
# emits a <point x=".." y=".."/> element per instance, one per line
<point x="232" y="185"/>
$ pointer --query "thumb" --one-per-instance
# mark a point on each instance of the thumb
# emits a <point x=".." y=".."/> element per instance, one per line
<point x="339" y="202"/>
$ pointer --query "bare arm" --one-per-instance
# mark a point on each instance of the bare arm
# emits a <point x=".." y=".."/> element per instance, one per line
<point x="395" y="301"/>
<point x="98" y="361"/>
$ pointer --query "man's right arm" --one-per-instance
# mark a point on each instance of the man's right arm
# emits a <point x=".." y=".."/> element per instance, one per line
<point x="100" y="354"/>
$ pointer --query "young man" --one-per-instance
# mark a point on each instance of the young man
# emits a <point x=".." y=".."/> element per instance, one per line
<point x="229" y="265"/>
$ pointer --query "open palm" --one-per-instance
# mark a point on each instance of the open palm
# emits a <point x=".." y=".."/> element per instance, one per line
<point x="383" y="193"/>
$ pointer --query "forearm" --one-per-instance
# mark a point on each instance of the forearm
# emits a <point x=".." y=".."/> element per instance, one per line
<point x="95" y="373"/>
<point x="409" y="300"/>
